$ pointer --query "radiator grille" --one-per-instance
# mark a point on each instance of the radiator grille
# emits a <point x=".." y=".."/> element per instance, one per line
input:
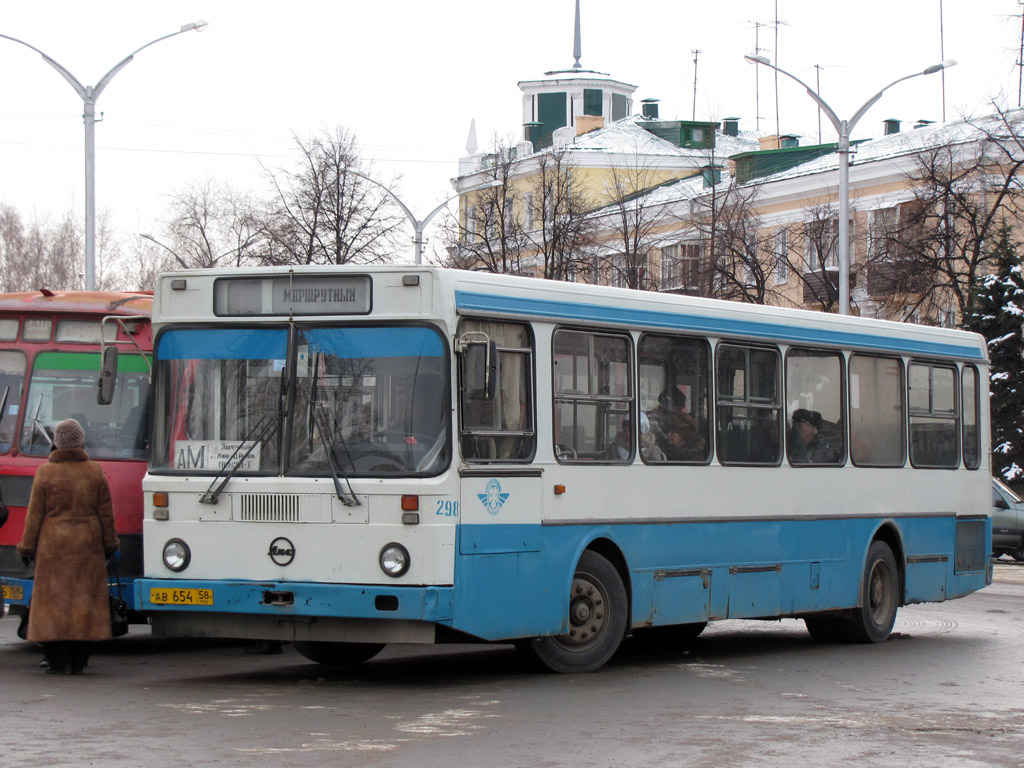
<point x="280" y="508"/>
<point x="971" y="554"/>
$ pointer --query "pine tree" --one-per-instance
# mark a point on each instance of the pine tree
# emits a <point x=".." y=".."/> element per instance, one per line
<point x="997" y="313"/>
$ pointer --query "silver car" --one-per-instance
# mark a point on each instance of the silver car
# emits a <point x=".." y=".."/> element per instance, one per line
<point x="1007" y="522"/>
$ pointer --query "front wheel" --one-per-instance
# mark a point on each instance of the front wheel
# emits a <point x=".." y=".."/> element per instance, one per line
<point x="597" y="620"/>
<point x="873" y="619"/>
<point x="338" y="654"/>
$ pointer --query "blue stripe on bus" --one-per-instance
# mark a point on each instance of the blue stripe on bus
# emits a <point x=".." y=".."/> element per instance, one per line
<point x="351" y="343"/>
<point x="761" y="329"/>
<point x="223" y="344"/>
<point x="676" y="572"/>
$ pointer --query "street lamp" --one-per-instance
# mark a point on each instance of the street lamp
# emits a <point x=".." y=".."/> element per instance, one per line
<point x="419" y="225"/>
<point x="844" y="128"/>
<point x="89" y="94"/>
<point x="177" y="258"/>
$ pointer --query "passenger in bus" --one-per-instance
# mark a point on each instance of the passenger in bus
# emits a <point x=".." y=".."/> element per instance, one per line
<point x="800" y="440"/>
<point x="682" y="440"/>
<point x="69" y="530"/>
<point x="622" y="447"/>
<point x="648" y="443"/>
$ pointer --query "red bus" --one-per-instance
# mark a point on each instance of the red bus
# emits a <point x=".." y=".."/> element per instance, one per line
<point x="51" y="345"/>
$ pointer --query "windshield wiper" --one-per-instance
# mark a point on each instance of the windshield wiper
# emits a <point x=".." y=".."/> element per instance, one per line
<point x="38" y="426"/>
<point x="261" y="430"/>
<point x="351" y="500"/>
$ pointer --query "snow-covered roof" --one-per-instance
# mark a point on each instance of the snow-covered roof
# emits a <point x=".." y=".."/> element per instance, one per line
<point x="628" y="136"/>
<point x="902" y="144"/>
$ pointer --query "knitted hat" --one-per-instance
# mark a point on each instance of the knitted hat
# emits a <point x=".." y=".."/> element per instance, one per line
<point x="69" y="434"/>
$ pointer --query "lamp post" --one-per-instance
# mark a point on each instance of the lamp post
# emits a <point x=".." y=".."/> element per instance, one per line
<point x="844" y="128"/>
<point x="419" y="225"/>
<point x="177" y="258"/>
<point x="89" y="94"/>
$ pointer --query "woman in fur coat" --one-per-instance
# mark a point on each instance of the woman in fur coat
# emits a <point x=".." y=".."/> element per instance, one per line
<point x="69" y="530"/>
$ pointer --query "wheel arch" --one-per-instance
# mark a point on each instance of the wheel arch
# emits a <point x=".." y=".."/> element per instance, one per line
<point x="889" y="533"/>
<point x="612" y="552"/>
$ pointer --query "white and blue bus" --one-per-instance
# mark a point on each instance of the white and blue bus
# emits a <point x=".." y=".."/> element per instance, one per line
<point x="346" y="458"/>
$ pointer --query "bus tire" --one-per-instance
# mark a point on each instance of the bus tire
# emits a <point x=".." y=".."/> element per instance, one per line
<point x="597" y="620"/>
<point x="873" y="619"/>
<point x="338" y="654"/>
<point x="823" y="629"/>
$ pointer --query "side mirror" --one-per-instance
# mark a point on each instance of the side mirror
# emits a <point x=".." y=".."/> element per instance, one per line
<point x="480" y="370"/>
<point x="1000" y="503"/>
<point x="108" y="376"/>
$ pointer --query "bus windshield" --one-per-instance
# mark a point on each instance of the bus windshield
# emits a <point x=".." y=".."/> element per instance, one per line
<point x="63" y="385"/>
<point x="365" y="401"/>
<point x="12" y="377"/>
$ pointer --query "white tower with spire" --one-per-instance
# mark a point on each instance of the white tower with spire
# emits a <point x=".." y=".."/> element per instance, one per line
<point x="580" y="98"/>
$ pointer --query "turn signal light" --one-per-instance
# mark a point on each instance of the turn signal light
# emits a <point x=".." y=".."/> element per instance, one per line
<point x="160" y="499"/>
<point x="410" y="503"/>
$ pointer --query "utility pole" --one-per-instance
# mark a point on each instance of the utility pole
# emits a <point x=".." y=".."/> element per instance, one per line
<point x="695" y="53"/>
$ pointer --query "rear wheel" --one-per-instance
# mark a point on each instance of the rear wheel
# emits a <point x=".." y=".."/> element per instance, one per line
<point x="597" y="620"/>
<point x="872" y="621"/>
<point x="823" y="629"/>
<point x="338" y="654"/>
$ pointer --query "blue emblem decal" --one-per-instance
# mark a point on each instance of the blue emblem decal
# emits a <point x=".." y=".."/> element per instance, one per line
<point x="492" y="498"/>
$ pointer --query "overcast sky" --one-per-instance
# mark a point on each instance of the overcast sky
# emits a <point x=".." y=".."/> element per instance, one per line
<point x="406" y="77"/>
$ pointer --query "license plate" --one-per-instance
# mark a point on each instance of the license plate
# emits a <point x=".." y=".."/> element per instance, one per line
<point x="181" y="596"/>
<point x="14" y="593"/>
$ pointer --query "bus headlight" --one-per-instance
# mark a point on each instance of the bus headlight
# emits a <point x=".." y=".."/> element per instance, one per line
<point x="394" y="560"/>
<point x="177" y="555"/>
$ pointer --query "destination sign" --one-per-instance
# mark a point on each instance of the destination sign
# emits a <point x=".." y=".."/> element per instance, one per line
<point x="293" y="295"/>
<point x="215" y="454"/>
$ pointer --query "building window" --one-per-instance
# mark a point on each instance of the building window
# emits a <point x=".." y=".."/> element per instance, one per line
<point x="781" y="266"/>
<point x="528" y="212"/>
<point x="823" y="243"/>
<point x="592" y="101"/>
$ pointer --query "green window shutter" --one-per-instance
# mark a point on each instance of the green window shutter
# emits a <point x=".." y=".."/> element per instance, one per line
<point x="550" y="113"/>
<point x="592" y="98"/>
<point x="620" y="105"/>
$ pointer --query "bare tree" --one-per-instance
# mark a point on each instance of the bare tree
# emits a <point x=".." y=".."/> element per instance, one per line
<point x="490" y="235"/>
<point x="741" y="260"/>
<point x="211" y="225"/>
<point x="937" y="247"/>
<point x="560" y="231"/>
<point x="325" y="210"/>
<point x="817" y="264"/>
<point x="633" y="215"/>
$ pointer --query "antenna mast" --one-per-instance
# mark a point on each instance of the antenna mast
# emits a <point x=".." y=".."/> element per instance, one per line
<point x="695" y="53"/>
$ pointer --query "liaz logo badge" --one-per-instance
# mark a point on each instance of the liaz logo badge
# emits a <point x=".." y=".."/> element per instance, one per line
<point x="282" y="551"/>
<point x="492" y="498"/>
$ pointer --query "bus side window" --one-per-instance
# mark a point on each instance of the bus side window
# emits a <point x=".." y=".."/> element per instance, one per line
<point x="748" y="405"/>
<point x="931" y="394"/>
<point x="674" y="381"/>
<point x="500" y="428"/>
<point x="876" y="411"/>
<point x="969" y="408"/>
<point x="592" y="379"/>
<point x="814" y="408"/>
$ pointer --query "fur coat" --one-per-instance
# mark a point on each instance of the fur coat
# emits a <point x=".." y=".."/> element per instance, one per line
<point x="69" y="529"/>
